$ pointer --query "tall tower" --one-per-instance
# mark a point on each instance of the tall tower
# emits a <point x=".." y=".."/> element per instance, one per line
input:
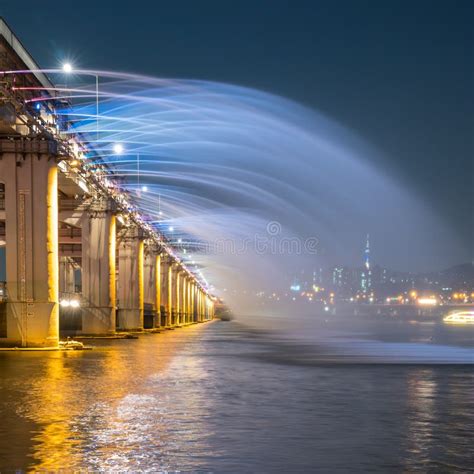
<point x="366" y="275"/>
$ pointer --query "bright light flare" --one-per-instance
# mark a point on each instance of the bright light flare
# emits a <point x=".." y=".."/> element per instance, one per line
<point x="431" y="301"/>
<point x="118" y="148"/>
<point x="67" y="68"/>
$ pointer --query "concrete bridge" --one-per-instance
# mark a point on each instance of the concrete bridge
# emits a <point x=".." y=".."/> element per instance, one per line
<point x="73" y="238"/>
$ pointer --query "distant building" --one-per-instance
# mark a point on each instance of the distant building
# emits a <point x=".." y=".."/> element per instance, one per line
<point x="366" y="273"/>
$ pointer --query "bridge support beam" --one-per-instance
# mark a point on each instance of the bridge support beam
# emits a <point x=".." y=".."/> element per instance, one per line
<point x="193" y="302"/>
<point x="152" y="286"/>
<point x="98" y="269"/>
<point x="29" y="172"/>
<point x="66" y="275"/>
<point x="165" y="290"/>
<point x="158" y="320"/>
<point x="131" y="280"/>
<point x="198" y="305"/>
<point x="184" y="305"/>
<point x="177" y="296"/>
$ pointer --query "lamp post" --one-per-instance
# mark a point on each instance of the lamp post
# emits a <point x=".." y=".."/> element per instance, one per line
<point x="68" y="69"/>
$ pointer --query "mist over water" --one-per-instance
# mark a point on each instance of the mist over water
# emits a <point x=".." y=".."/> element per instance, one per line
<point x="250" y="185"/>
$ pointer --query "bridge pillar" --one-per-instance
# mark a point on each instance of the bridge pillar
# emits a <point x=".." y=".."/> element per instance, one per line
<point x="198" y="304"/>
<point x="184" y="291"/>
<point x="66" y="275"/>
<point x="98" y="269"/>
<point x="188" y="300"/>
<point x="165" y="290"/>
<point x="158" y="321"/>
<point x="152" y="289"/>
<point x="177" y="295"/>
<point x="203" y="306"/>
<point x="29" y="172"/>
<point x="131" y="294"/>
<point x="193" y="301"/>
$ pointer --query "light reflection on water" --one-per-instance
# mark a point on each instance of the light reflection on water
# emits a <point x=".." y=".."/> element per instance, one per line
<point x="226" y="398"/>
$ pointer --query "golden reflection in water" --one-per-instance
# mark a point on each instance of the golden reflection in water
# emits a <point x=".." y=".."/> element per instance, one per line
<point x="51" y="405"/>
<point x="422" y="391"/>
<point x="155" y="414"/>
<point x="92" y="408"/>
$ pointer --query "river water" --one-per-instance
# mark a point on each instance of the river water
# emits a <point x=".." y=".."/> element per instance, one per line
<point x="316" y="396"/>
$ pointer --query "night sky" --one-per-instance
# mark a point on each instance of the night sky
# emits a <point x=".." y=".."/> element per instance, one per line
<point x="398" y="73"/>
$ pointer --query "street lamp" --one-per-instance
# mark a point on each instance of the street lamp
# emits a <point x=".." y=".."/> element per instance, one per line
<point x="118" y="148"/>
<point x="68" y="68"/>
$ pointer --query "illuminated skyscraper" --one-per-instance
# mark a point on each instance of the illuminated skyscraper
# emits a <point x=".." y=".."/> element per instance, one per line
<point x="366" y="274"/>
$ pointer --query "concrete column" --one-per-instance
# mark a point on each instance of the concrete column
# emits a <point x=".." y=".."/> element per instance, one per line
<point x="177" y="296"/>
<point x="191" y="293"/>
<point x="98" y="269"/>
<point x="165" y="273"/>
<point x="171" y="294"/>
<point x="149" y="282"/>
<point x="158" y="321"/>
<point x="66" y="275"/>
<point x="193" y="301"/>
<point x="211" y="308"/>
<point x="184" y="293"/>
<point x="199" y="302"/>
<point x="29" y="172"/>
<point x="131" y="294"/>
<point x="203" y="306"/>
<point x="188" y="300"/>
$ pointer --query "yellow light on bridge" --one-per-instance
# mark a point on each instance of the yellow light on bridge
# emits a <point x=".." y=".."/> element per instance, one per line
<point x="429" y="301"/>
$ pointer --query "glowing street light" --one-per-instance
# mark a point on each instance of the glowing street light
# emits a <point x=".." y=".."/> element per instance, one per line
<point x="118" y="148"/>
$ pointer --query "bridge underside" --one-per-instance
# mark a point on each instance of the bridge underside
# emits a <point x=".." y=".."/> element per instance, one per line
<point x="73" y="258"/>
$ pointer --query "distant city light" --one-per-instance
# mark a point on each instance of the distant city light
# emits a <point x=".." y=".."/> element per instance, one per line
<point x="67" y="67"/>
<point x="431" y="301"/>
<point x="326" y="308"/>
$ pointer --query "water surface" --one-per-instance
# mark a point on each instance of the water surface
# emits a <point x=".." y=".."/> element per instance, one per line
<point x="223" y="397"/>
